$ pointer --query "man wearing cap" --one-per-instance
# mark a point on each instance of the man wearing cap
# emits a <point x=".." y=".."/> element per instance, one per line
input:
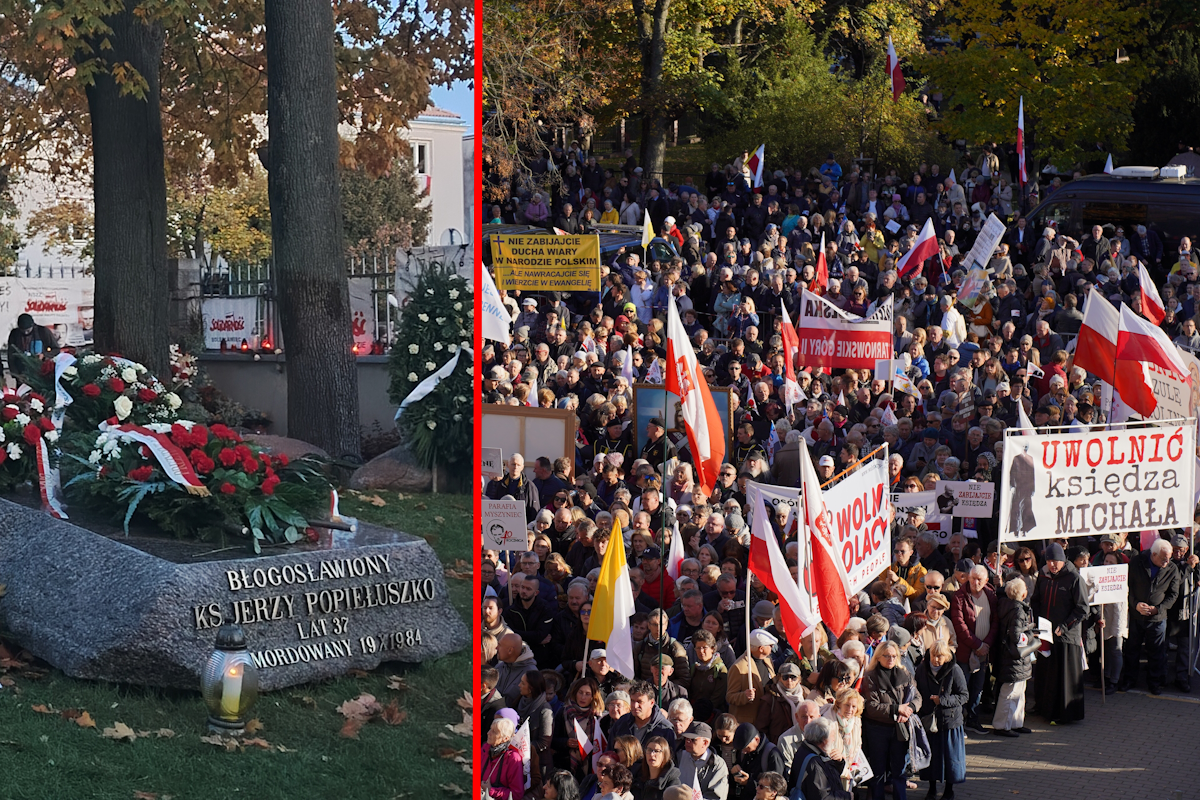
<point x="1153" y="589"/>
<point x="31" y="339"/>
<point x="661" y="669"/>
<point x="1059" y="596"/>
<point x="658" y="447"/>
<point x="698" y="761"/>
<point x="1188" y="565"/>
<point x="749" y="677"/>
<point x="491" y="383"/>
<point x="781" y="699"/>
<point x="616" y="439"/>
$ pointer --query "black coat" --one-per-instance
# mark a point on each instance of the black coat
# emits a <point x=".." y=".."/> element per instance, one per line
<point x="951" y="688"/>
<point x="652" y="788"/>
<point x="1015" y="618"/>
<point x="821" y="777"/>
<point x="1060" y="598"/>
<point x="1160" y="591"/>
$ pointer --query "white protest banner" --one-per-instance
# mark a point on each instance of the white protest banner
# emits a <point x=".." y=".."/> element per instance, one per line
<point x="503" y="523"/>
<point x="62" y="304"/>
<point x="491" y="462"/>
<point x="861" y="509"/>
<point x="362" y="313"/>
<point x="1089" y="484"/>
<point x="1106" y="584"/>
<point x="832" y="339"/>
<point x="884" y="369"/>
<point x="230" y="319"/>
<point x="966" y="498"/>
<point x="985" y="243"/>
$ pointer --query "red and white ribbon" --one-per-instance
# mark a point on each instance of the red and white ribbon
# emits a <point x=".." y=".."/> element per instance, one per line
<point x="49" y="482"/>
<point x="169" y="457"/>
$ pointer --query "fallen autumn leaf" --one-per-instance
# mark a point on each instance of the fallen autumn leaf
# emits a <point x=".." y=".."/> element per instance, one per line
<point x="120" y="731"/>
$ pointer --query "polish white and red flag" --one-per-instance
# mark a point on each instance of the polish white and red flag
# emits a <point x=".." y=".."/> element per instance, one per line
<point x="675" y="557"/>
<point x="705" y="435"/>
<point x="1096" y="346"/>
<point x="755" y="165"/>
<point x="831" y="583"/>
<point x="768" y="564"/>
<point x="893" y="67"/>
<point x="1140" y="343"/>
<point x="1152" y="304"/>
<point x="821" y="274"/>
<point x="925" y="247"/>
<point x="581" y="739"/>
<point x="792" y="393"/>
<point x="599" y="742"/>
<point x="1022" y="175"/>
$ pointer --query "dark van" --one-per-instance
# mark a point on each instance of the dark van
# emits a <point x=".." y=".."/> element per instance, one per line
<point x="1170" y="206"/>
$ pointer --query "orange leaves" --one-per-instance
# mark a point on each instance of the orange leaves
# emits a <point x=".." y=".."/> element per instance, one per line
<point x="365" y="708"/>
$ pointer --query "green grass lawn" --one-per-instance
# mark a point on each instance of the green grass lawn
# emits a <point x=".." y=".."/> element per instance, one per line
<point x="48" y="757"/>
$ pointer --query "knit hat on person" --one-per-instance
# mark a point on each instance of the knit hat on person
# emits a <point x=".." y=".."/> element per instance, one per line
<point x="1054" y="552"/>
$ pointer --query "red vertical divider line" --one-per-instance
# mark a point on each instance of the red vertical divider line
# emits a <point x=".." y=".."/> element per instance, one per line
<point x="477" y="338"/>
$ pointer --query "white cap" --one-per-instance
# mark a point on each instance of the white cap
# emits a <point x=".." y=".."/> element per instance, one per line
<point x="669" y="220"/>
<point x="581" y="355"/>
<point x="825" y="461"/>
<point x="760" y="638"/>
<point x="529" y="301"/>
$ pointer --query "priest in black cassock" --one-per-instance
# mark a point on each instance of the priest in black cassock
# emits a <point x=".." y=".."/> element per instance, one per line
<point x="1059" y="597"/>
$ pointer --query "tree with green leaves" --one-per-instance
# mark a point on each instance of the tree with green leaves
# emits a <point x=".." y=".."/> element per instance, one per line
<point x="1061" y="57"/>
<point x="381" y="213"/>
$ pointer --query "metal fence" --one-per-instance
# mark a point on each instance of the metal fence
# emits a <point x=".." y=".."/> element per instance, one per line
<point x="379" y="286"/>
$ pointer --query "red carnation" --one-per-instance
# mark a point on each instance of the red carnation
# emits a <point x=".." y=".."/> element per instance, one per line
<point x="141" y="474"/>
<point x="91" y="390"/>
<point x="270" y="473"/>
<point x="199" y="435"/>
<point x="228" y="488"/>
<point x="268" y="486"/>
<point x="250" y="465"/>
<point x="228" y="457"/>
<point x="47" y="367"/>
<point x="243" y="452"/>
<point x="147" y="395"/>
<point x="32" y="434"/>
<point x="223" y="432"/>
<point x="10" y="413"/>
<point x="203" y="464"/>
<point x="282" y="459"/>
<point x="45" y="424"/>
<point x="117" y="385"/>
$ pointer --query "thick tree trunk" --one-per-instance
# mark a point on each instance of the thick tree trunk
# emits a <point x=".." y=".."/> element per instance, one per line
<point x="306" y="225"/>
<point x="130" y="193"/>
<point x="652" y="30"/>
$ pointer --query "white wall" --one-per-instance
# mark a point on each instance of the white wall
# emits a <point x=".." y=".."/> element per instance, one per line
<point x="34" y="190"/>
<point x="441" y="132"/>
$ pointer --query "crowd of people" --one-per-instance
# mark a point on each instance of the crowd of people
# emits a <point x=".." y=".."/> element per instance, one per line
<point x="943" y="643"/>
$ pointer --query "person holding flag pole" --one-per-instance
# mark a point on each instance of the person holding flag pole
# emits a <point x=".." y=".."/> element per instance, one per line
<point x="612" y="607"/>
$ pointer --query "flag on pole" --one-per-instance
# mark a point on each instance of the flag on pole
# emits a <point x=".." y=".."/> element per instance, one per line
<point x="1152" y="304"/>
<point x="889" y="416"/>
<point x="925" y="247"/>
<point x="627" y="366"/>
<point x="706" y="438"/>
<point x="697" y="792"/>
<point x="971" y="291"/>
<point x="613" y="606"/>
<point x="647" y="230"/>
<point x="821" y="275"/>
<point x="675" y="556"/>
<point x="1025" y="426"/>
<point x="893" y="67"/>
<point x="903" y="383"/>
<point x="654" y="374"/>
<point x="520" y="743"/>
<point x="755" y="165"/>
<point x="841" y="398"/>
<point x="773" y="445"/>
<point x="1096" y="345"/>
<point x="582" y="740"/>
<point x="953" y="181"/>
<point x="1022" y="175"/>
<point x="1139" y="343"/>
<point x="831" y="584"/>
<point x="767" y="562"/>
<point x="531" y="400"/>
<point x="599" y="743"/>
<point x="496" y="318"/>
<point x="791" y="349"/>
<point x="1108" y="167"/>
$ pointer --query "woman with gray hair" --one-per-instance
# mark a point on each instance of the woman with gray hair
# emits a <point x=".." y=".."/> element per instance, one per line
<point x="503" y="771"/>
<point x="817" y="767"/>
<point x="1016" y="623"/>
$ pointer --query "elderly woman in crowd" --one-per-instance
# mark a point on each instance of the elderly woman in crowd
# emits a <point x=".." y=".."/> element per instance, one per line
<point x="1015" y="665"/>
<point x="503" y="775"/>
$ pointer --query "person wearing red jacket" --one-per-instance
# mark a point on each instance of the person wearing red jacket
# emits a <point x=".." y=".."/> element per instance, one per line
<point x="974" y="615"/>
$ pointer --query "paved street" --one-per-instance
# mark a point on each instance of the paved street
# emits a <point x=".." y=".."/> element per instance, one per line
<point x="1136" y="746"/>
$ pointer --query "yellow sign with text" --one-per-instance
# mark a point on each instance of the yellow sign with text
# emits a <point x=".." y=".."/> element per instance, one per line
<point x="546" y="263"/>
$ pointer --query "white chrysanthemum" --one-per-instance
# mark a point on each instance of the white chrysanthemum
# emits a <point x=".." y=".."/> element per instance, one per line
<point x="470" y="313"/>
<point x="429" y="292"/>
<point x="92" y="358"/>
<point x="460" y="399"/>
<point x="452" y="348"/>
<point x="440" y="320"/>
<point x="123" y="406"/>
<point x="71" y="371"/>
<point x="430" y="366"/>
<point x="431" y="424"/>
<point x="437" y="346"/>
<point x="458" y="417"/>
<point x="413" y="349"/>
<point x="129" y="374"/>
<point x="102" y="439"/>
<point x="412" y="376"/>
<point x="458" y="306"/>
<point x="22" y="418"/>
<point x="37" y="405"/>
<point x="14" y="451"/>
<point x="454" y="294"/>
<point x="94" y="457"/>
<point x="159" y="427"/>
<point x="173" y="400"/>
<point x="52" y="436"/>
<point x="423" y="317"/>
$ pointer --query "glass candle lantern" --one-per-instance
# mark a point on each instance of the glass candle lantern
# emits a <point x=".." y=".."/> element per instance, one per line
<point x="229" y="682"/>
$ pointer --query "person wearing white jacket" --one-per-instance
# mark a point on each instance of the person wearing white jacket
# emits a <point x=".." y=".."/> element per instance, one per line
<point x="1116" y="630"/>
